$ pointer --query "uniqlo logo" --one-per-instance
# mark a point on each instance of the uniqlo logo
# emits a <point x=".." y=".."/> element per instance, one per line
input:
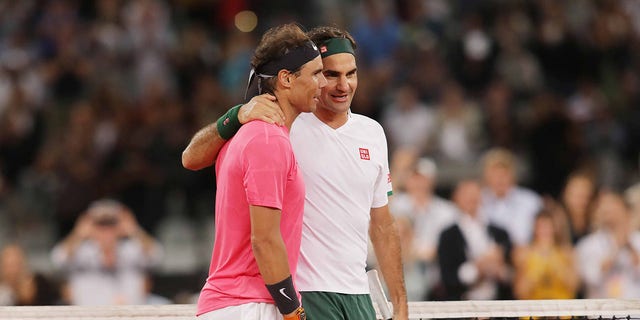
<point x="364" y="154"/>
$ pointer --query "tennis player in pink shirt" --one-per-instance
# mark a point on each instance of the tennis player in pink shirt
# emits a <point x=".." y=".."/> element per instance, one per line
<point x="260" y="192"/>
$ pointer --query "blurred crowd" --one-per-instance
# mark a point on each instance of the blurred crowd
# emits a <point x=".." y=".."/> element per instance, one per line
<point x="517" y="116"/>
<point x="496" y="239"/>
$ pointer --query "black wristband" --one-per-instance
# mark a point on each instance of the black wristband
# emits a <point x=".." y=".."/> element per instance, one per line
<point x="284" y="295"/>
<point x="228" y="125"/>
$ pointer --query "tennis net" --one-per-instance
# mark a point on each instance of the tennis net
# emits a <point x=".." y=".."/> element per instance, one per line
<point x="517" y="309"/>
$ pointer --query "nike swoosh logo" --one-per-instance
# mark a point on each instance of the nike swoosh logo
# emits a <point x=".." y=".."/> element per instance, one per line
<point x="284" y="294"/>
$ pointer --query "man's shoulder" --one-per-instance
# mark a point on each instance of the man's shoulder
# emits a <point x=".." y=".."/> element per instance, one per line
<point x="365" y="120"/>
<point x="444" y="204"/>
<point x="588" y="243"/>
<point x="257" y="135"/>
<point x="367" y="126"/>
<point x="258" y="128"/>
<point x="260" y="125"/>
<point x="451" y="231"/>
<point x="528" y="195"/>
<point x="524" y="191"/>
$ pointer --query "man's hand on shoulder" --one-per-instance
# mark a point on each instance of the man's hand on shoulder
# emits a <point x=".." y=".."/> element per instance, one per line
<point x="263" y="107"/>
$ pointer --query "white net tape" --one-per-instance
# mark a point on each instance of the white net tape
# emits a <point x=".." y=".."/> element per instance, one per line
<point x="592" y="308"/>
<point x="586" y="308"/>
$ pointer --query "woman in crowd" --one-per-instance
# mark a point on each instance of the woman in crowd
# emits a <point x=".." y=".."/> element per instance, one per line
<point x="545" y="269"/>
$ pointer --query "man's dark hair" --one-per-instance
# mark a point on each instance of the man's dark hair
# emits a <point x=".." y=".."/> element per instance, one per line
<point x="274" y="44"/>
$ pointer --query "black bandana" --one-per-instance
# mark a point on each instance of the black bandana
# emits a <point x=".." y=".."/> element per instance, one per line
<point x="291" y="60"/>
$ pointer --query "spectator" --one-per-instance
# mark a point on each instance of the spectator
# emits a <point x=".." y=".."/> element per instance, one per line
<point x="545" y="269"/>
<point x="377" y="34"/>
<point x="403" y="161"/>
<point x="556" y="49"/>
<point x="458" y="134"/>
<point x="609" y="257"/>
<point x="77" y="167"/>
<point x="554" y="143"/>
<point x="515" y="63"/>
<point x="474" y="256"/>
<point x="147" y="23"/>
<point x="107" y="256"/>
<point x="421" y="216"/>
<point x="500" y="119"/>
<point x="409" y="122"/>
<point x="630" y="100"/>
<point x="632" y="197"/>
<point x="577" y="201"/>
<point x="19" y="285"/>
<point x="472" y="59"/>
<point x="21" y="133"/>
<point x="504" y="203"/>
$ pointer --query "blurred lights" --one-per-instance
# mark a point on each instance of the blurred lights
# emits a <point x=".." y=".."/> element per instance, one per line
<point x="477" y="45"/>
<point x="246" y="21"/>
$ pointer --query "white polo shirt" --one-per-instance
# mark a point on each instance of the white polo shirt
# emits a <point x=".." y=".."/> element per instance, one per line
<point x="346" y="173"/>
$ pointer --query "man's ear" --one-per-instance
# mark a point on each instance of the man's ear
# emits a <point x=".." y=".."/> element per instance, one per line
<point x="284" y="78"/>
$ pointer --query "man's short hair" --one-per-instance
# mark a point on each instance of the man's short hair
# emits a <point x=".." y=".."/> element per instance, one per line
<point x="321" y="34"/>
<point x="499" y="157"/>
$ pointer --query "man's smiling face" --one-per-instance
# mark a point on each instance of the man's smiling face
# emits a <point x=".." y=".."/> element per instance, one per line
<point x="342" y="80"/>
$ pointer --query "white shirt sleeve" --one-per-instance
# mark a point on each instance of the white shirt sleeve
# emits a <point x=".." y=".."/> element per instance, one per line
<point x="383" y="185"/>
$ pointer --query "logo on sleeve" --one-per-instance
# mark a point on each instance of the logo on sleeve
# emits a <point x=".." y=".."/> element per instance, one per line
<point x="364" y="154"/>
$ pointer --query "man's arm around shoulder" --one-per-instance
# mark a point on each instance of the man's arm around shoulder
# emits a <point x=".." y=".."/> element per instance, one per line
<point x="205" y="145"/>
<point x="203" y="148"/>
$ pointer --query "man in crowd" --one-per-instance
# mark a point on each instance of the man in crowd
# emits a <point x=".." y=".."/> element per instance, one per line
<point x="107" y="256"/>
<point x="505" y="203"/>
<point x="474" y="255"/>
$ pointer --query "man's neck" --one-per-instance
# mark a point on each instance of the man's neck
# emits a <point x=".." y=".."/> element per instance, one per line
<point x="290" y="112"/>
<point x="290" y="115"/>
<point x="501" y="194"/>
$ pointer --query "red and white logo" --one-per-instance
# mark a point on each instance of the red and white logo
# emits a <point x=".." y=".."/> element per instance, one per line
<point x="323" y="49"/>
<point x="364" y="154"/>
